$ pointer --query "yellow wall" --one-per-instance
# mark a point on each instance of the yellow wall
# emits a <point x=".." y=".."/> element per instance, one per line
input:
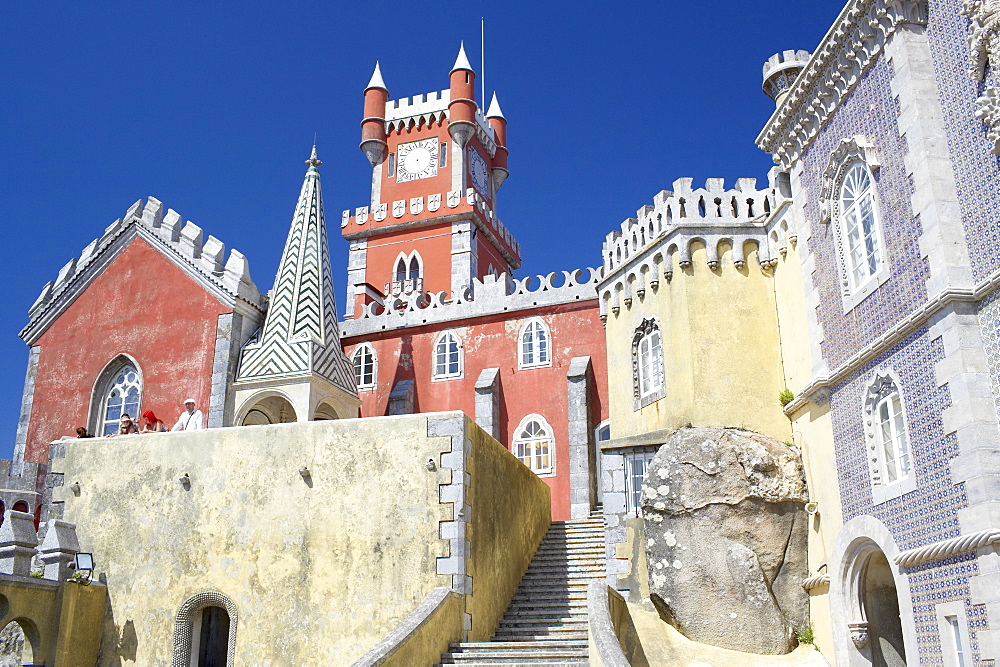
<point x="812" y="433"/>
<point x="320" y="569"/>
<point x="722" y="361"/>
<point x="510" y="515"/>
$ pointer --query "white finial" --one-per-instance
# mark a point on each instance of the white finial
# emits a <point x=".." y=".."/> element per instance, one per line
<point x="462" y="62"/>
<point x="313" y="161"/>
<point x="377" y="81"/>
<point x="494" y="110"/>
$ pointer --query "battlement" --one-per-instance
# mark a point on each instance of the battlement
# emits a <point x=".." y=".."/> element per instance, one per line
<point x="417" y="105"/>
<point x="184" y="242"/>
<point x="711" y="207"/>
<point x="404" y="209"/>
<point x="789" y="59"/>
<point x="488" y="296"/>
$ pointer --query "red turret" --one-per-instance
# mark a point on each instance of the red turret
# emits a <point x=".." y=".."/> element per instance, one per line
<point x="499" y="125"/>
<point x="462" y="107"/>
<point x="373" y="125"/>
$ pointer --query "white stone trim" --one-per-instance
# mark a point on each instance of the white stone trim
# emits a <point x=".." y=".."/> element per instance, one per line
<point x="520" y="345"/>
<point x="852" y="44"/>
<point x="551" y="472"/>
<point x="646" y="328"/>
<point x="956" y="609"/>
<point x="357" y="350"/>
<point x="99" y="390"/>
<point x="945" y="548"/>
<point x="439" y="377"/>
<point x="816" y="581"/>
<point x="873" y="393"/>
<point x="27" y="399"/>
<point x="857" y="541"/>
<point x="454" y="457"/>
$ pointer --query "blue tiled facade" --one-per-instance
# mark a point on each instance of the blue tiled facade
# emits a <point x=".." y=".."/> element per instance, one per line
<point x="977" y="171"/>
<point x="929" y="513"/>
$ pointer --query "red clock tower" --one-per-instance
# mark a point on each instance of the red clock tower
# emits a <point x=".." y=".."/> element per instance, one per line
<point x="437" y="164"/>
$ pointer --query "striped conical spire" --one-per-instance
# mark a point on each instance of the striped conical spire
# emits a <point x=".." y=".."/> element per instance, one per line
<point x="300" y="336"/>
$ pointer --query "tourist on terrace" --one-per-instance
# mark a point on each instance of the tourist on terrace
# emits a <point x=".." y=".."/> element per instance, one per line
<point x="127" y="426"/>
<point x="190" y="419"/>
<point x="150" y="423"/>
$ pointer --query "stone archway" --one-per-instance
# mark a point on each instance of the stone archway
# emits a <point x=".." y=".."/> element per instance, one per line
<point x="270" y="408"/>
<point x="881" y="606"/>
<point x="324" y="411"/>
<point x="19" y="643"/>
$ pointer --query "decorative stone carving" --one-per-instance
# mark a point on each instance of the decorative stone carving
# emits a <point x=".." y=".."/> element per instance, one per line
<point x="726" y="538"/>
<point x="849" y="151"/>
<point x="398" y="208"/>
<point x="859" y="634"/>
<point x="434" y="202"/>
<point x="416" y="205"/>
<point x="380" y="211"/>
<point x="984" y="45"/>
<point x="361" y="215"/>
<point x="453" y="198"/>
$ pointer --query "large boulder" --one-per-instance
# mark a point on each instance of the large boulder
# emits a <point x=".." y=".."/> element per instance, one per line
<point x="726" y="538"/>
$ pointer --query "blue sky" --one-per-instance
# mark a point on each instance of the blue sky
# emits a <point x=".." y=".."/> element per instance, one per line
<point x="211" y="108"/>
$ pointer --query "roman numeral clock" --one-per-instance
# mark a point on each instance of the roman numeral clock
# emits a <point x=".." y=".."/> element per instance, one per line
<point x="417" y="159"/>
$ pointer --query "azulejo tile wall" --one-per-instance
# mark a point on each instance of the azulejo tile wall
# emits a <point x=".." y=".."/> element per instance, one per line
<point x="871" y="111"/>
<point x="989" y="323"/>
<point x="977" y="171"/>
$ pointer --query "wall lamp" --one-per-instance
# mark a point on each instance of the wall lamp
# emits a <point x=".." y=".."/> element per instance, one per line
<point x="185" y="479"/>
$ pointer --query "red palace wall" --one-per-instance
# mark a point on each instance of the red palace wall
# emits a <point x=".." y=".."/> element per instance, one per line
<point x="493" y="342"/>
<point x="169" y="329"/>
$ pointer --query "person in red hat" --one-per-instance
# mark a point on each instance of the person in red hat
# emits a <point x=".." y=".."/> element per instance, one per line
<point x="150" y="423"/>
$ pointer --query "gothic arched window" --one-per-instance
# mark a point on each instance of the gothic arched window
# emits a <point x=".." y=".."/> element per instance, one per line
<point x="534" y="344"/>
<point x="647" y="364"/>
<point x="447" y="357"/>
<point x="365" y="366"/>
<point x="533" y="444"/>
<point x="859" y="225"/>
<point x="887" y="436"/>
<point x="117" y="391"/>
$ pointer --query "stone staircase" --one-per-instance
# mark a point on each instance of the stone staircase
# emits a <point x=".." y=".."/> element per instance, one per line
<point x="546" y="622"/>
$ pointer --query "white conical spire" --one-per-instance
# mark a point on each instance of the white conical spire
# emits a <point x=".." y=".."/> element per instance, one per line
<point x="494" y="110"/>
<point x="377" y="81"/>
<point x="462" y="62"/>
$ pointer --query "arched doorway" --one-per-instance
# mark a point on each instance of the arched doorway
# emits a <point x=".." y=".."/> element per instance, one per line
<point x="269" y="409"/>
<point x="18" y="643"/>
<point x="205" y="631"/>
<point x="881" y="606"/>
<point x="212" y="637"/>
<point x="324" y="412"/>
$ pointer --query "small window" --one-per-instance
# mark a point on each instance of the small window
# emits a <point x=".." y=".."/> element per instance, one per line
<point x="956" y="637"/>
<point x="392" y="165"/>
<point x="647" y="364"/>
<point x="364" y="366"/>
<point x="636" y="464"/>
<point x="533" y="445"/>
<point x="414" y="267"/>
<point x="535" y="346"/>
<point x="122" y="397"/>
<point x="887" y="436"/>
<point x="443" y="152"/>
<point x="447" y="357"/>
<point x="400" y="270"/>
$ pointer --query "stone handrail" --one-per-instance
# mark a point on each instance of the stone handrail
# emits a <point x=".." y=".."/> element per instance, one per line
<point x="402" y="645"/>
<point x="603" y="635"/>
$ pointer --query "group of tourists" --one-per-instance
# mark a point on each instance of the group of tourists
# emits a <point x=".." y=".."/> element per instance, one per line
<point x="191" y="419"/>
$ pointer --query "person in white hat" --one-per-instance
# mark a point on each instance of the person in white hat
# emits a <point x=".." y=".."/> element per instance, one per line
<point x="190" y="419"/>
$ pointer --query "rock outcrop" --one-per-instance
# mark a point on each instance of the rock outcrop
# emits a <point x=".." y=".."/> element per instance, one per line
<point x="726" y="538"/>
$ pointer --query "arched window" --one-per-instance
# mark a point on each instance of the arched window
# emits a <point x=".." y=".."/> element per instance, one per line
<point x="408" y="274"/>
<point x="414" y="266"/>
<point x="533" y="444"/>
<point x="647" y="364"/>
<point x="401" y="270"/>
<point x="364" y="366"/>
<point x="887" y="436"/>
<point x="117" y="391"/>
<point x="205" y="631"/>
<point x="447" y="357"/>
<point x="859" y="225"/>
<point x="535" y="348"/>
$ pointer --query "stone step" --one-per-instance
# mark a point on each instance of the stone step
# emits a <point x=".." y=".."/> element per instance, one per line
<point x="571" y="566"/>
<point x="556" y="588"/>
<point x="562" y="662"/>
<point x="542" y="608"/>
<point x="535" y="594"/>
<point x="544" y="637"/>
<point x="518" y="646"/>
<point x="533" y="577"/>
<point x="555" y="621"/>
<point x="515" y="657"/>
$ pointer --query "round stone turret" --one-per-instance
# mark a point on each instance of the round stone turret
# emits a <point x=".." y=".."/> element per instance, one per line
<point x="780" y="72"/>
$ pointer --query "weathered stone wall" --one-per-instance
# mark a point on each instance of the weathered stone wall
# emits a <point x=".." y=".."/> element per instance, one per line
<point x="320" y="567"/>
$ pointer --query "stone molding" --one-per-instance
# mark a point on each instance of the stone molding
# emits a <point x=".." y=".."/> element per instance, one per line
<point x="945" y="548"/>
<point x="849" y="151"/>
<point x="420" y="616"/>
<point x="850" y="46"/>
<point x="182" y="243"/>
<point x="645" y="328"/>
<point x="27" y="400"/>
<point x="454" y="457"/>
<point x="816" y="581"/>
<point x="817" y="391"/>
<point x="487" y="296"/>
<point x="883" y="382"/>
<point x="488" y="401"/>
<point x="184" y="624"/>
<point x="582" y="486"/>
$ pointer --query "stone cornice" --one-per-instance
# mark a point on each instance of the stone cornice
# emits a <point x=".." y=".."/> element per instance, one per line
<point x="817" y="390"/>
<point x="945" y="548"/>
<point x="838" y="63"/>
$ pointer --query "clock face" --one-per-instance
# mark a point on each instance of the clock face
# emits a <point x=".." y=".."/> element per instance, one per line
<point x="417" y="159"/>
<point x="480" y="172"/>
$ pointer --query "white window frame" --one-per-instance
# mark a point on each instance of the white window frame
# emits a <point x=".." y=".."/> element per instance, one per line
<point x="647" y="331"/>
<point x="437" y="372"/>
<point x="954" y="610"/>
<point x="361" y="350"/>
<point x="879" y="393"/>
<point x="533" y="444"/>
<point x="105" y="382"/>
<point x="535" y="324"/>
<point x="854" y="155"/>
<point x="635" y="460"/>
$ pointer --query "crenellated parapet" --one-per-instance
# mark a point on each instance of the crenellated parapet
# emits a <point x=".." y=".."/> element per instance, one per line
<point x="487" y="296"/>
<point x="182" y="242"/>
<point x="660" y="239"/>
<point x="407" y="113"/>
